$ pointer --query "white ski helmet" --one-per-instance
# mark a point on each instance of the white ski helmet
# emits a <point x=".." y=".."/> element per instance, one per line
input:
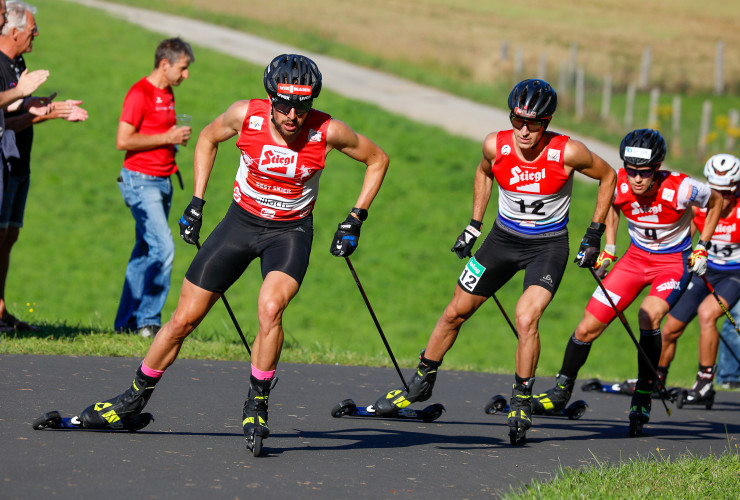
<point x="723" y="172"/>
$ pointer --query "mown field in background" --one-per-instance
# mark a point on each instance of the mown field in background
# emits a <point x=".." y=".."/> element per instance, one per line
<point x="67" y="268"/>
<point x="457" y="46"/>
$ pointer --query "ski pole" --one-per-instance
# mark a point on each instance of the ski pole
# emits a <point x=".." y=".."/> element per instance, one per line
<point x="721" y="304"/>
<point x="513" y="329"/>
<point x="640" y="350"/>
<point x="377" y="325"/>
<point x="231" y="313"/>
<point x="727" y="313"/>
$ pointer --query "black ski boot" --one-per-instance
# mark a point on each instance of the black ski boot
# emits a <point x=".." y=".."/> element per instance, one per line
<point x="420" y="389"/>
<point x="520" y="412"/>
<point x="124" y="407"/>
<point x="254" y="415"/>
<point x="553" y="401"/>
<point x="640" y="410"/>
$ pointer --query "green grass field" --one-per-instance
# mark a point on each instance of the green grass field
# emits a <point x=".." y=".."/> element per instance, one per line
<point x="67" y="268"/>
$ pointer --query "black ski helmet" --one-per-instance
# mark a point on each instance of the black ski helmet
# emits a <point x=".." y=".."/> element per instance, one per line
<point x="643" y="147"/>
<point x="292" y="77"/>
<point x="533" y="98"/>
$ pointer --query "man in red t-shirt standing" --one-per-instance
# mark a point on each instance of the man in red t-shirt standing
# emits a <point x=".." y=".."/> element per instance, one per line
<point x="148" y="133"/>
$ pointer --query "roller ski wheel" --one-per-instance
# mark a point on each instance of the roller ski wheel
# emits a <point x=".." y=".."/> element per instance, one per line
<point x="684" y="399"/>
<point x="591" y="385"/>
<point x="54" y="420"/>
<point x="254" y="443"/>
<point x="350" y="409"/>
<point x="636" y="428"/>
<point x="517" y="435"/>
<point x="574" y="411"/>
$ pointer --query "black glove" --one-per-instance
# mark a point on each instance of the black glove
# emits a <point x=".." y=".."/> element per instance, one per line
<point x="466" y="240"/>
<point x="191" y="221"/>
<point x="588" y="252"/>
<point x="346" y="238"/>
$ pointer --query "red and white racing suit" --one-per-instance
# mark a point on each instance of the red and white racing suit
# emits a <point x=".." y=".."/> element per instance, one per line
<point x="275" y="181"/>
<point x="659" y="228"/>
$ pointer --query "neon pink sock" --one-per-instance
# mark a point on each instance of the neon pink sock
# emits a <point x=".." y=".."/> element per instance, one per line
<point x="151" y="372"/>
<point x="260" y="375"/>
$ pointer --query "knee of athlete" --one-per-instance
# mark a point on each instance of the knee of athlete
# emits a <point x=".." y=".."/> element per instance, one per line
<point x="708" y="316"/>
<point x="527" y="323"/>
<point x="649" y="319"/>
<point x="179" y="327"/>
<point x="454" y="317"/>
<point x="270" y="312"/>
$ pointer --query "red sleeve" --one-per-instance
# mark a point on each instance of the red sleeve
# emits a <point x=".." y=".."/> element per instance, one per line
<point x="134" y="105"/>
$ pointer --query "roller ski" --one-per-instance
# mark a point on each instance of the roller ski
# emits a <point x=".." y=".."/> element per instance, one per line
<point x="123" y="410"/>
<point x="573" y="411"/>
<point x="54" y="420"/>
<point x="520" y="412"/>
<point x="418" y="389"/>
<point x="626" y="387"/>
<point x="254" y="415"/>
<point x="348" y="408"/>
<point x="702" y="394"/>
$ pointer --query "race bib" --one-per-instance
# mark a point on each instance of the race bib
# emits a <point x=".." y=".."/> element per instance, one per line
<point x="471" y="275"/>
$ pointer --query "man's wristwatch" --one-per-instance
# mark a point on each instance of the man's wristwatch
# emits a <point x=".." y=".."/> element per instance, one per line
<point x="361" y="213"/>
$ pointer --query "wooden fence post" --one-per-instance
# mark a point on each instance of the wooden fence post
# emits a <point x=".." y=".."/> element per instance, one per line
<point x="719" y="71"/>
<point x="706" y="114"/>
<point x="647" y="56"/>
<point x="629" y="109"/>
<point x="606" y="97"/>
<point x="580" y="93"/>
<point x="653" y="108"/>
<point x="676" y="126"/>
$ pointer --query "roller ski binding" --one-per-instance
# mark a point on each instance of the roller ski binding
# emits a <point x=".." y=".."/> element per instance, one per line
<point x="254" y="415"/>
<point x="553" y="401"/>
<point x="702" y="393"/>
<point x="419" y="389"/>
<point x="639" y="411"/>
<point x="123" y="409"/>
<point x="54" y="420"/>
<point x="350" y="409"/>
<point x="573" y="411"/>
<point x="520" y="412"/>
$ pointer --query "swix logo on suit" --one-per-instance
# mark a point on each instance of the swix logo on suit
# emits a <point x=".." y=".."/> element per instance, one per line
<point x="279" y="181"/>
<point x="534" y="197"/>
<point x="661" y="223"/>
<point x="724" y="250"/>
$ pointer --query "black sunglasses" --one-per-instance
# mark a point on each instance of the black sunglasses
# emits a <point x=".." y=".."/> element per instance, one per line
<point x="644" y="173"/>
<point x="532" y="125"/>
<point x="284" y="107"/>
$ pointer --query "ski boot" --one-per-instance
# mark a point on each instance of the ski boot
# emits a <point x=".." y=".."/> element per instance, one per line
<point x="640" y="410"/>
<point x="702" y="393"/>
<point x="254" y="415"/>
<point x="124" y="407"/>
<point x="553" y="401"/>
<point x="420" y="389"/>
<point x="520" y="412"/>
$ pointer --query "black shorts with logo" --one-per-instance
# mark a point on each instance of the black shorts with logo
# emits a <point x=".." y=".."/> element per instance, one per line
<point x="242" y="237"/>
<point x="503" y="254"/>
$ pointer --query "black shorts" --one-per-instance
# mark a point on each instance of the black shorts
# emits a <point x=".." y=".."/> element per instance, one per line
<point x="240" y="238"/>
<point x="725" y="283"/>
<point x="502" y="255"/>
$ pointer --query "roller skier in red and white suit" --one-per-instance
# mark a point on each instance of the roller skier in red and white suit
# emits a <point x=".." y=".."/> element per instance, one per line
<point x="658" y="207"/>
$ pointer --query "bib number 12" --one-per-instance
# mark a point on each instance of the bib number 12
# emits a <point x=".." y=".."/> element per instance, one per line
<point x="471" y="275"/>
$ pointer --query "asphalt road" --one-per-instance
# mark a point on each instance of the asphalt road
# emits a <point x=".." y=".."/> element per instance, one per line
<point x="195" y="447"/>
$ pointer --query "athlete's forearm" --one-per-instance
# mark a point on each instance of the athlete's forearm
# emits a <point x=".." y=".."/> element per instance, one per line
<point x="612" y="224"/>
<point x="374" y="175"/>
<point x="607" y="184"/>
<point x="481" y="193"/>
<point x="714" y="210"/>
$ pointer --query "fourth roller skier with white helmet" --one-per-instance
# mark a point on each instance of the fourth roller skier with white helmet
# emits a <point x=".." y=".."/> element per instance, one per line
<point x="658" y="207"/>
<point x="723" y="274"/>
